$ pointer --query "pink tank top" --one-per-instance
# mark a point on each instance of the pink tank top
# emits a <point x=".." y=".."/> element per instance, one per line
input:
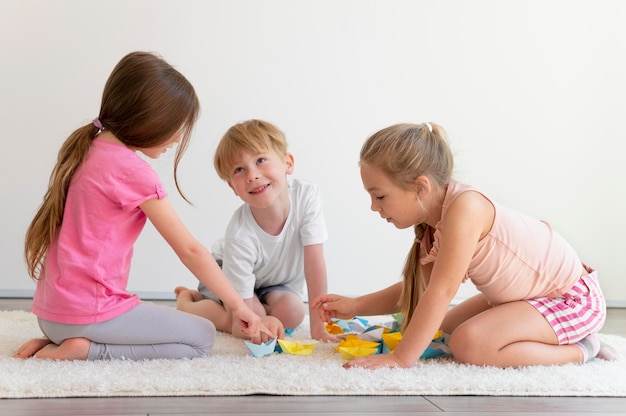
<point x="520" y="258"/>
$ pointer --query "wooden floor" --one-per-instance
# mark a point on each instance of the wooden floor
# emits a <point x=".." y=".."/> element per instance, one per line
<point x="326" y="405"/>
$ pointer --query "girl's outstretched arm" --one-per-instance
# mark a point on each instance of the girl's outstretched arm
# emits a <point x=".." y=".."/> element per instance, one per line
<point x="382" y="302"/>
<point x="202" y="264"/>
<point x="469" y="218"/>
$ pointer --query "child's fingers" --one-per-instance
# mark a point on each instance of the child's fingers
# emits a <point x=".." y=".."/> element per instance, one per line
<point x="267" y="332"/>
<point x="327" y="311"/>
<point x="320" y="300"/>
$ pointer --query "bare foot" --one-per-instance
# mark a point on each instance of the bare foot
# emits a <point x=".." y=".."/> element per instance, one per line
<point x="183" y="293"/>
<point x="31" y="347"/>
<point x="70" y="349"/>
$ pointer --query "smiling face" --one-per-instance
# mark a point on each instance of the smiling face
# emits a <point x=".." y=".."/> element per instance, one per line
<point x="261" y="179"/>
<point x="397" y="205"/>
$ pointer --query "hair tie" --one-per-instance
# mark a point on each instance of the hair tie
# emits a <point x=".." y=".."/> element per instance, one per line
<point x="96" y="122"/>
<point x="430" y="128"/>
<point x="418" y="240"/>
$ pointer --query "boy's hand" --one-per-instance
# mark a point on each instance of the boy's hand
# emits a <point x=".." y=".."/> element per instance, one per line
<point x="334" y="306"/>
<point x="257" y="332"/>
<point x="274" y="325"/>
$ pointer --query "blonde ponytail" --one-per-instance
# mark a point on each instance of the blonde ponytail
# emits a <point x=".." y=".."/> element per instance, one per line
<point x="414" y="284"/>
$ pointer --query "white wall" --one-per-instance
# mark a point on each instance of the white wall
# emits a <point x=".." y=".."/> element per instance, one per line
<point x="531" y="93"/>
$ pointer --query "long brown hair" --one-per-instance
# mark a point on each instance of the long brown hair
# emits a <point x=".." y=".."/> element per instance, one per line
<point x="404" y="152"/>
<point x="145" y="102"/>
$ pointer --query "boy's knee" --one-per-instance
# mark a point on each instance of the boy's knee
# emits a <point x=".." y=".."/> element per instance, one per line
<point x="287" y="307"/>
<point x="291" y="314"/>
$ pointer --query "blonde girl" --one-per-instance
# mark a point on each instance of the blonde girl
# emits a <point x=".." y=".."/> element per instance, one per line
<point x="79" y="245"/>
<point x="538" y="303"/>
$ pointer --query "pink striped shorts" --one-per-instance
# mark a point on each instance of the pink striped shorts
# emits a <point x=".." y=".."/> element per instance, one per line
<point x="578" y="312"/>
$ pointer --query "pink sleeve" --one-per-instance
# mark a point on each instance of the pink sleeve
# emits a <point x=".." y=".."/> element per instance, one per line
<point x="142" y="185"/>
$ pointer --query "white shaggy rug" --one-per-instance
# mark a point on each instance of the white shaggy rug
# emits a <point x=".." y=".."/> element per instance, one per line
<point x="231" y="370"/>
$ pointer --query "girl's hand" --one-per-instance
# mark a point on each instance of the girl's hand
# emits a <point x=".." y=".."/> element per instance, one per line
<point x="334" y="306"/>
<point x="252" y="326"/>
<point x="373" y="362"/>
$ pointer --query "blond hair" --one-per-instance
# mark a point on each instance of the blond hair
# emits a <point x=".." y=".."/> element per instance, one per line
<point x="145" y="102"/>
<point x="403" y="152"/>
<point x="254" y="136"/>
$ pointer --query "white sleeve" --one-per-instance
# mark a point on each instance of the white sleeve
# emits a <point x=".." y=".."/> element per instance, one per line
<point x="238" y="261"/>
<point x="313" y="228"/>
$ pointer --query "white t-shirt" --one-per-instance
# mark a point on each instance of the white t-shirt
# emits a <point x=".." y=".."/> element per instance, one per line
<point x="253" y="259"/>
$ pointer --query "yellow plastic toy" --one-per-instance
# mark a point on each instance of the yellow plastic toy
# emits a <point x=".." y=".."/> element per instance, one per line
<point x="352" y="347"/>
<point x="296" y="348"/>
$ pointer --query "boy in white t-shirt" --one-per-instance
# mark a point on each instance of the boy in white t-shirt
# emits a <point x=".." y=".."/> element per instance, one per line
<point x="273" y="243"/>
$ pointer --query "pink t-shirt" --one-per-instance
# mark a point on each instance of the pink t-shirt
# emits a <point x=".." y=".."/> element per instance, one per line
<point x="520" y="258"/>
<point x="87" y="265"/>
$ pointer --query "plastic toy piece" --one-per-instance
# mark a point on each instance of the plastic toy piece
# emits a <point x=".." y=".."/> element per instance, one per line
<point x="354" y="341"/>
<point x="362" y="340"/>
<point x="296" y="348"/>
<point x="334" y="329"/>
<point x="261" y="350"/>
<point x="357" y="324"/>
<point x="348" y="353"/>
<point x="374" y="334"/>
<point x="352" y="347"/>
<point x="436" y="348"/>
<point x="391" y="341"/>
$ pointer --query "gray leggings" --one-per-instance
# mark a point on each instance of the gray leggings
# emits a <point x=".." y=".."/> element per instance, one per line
<point x="147" y="331"/>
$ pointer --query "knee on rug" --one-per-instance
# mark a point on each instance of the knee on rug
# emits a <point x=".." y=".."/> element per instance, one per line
<point x="467" y="348"/>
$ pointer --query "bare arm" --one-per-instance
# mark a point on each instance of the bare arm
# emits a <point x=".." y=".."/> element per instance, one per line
<point x="202" y="264"/>
<point x="468" y="219"/>
<point x="382" y="302"/>
<point x="271" y="323"/>
<point x="317" y="285"/>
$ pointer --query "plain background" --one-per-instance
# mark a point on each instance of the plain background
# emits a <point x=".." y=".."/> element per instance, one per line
<point x="531" y="94"/>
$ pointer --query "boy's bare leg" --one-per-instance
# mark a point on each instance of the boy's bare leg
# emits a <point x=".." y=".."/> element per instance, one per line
<point x="191" y="301"/>
<point x="187" y="294"/>
<point x="286" y="306"/>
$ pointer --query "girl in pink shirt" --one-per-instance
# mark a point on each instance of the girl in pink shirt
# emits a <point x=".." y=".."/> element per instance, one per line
<point x="80" y="244"/>
<point x="539" y="304"/>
